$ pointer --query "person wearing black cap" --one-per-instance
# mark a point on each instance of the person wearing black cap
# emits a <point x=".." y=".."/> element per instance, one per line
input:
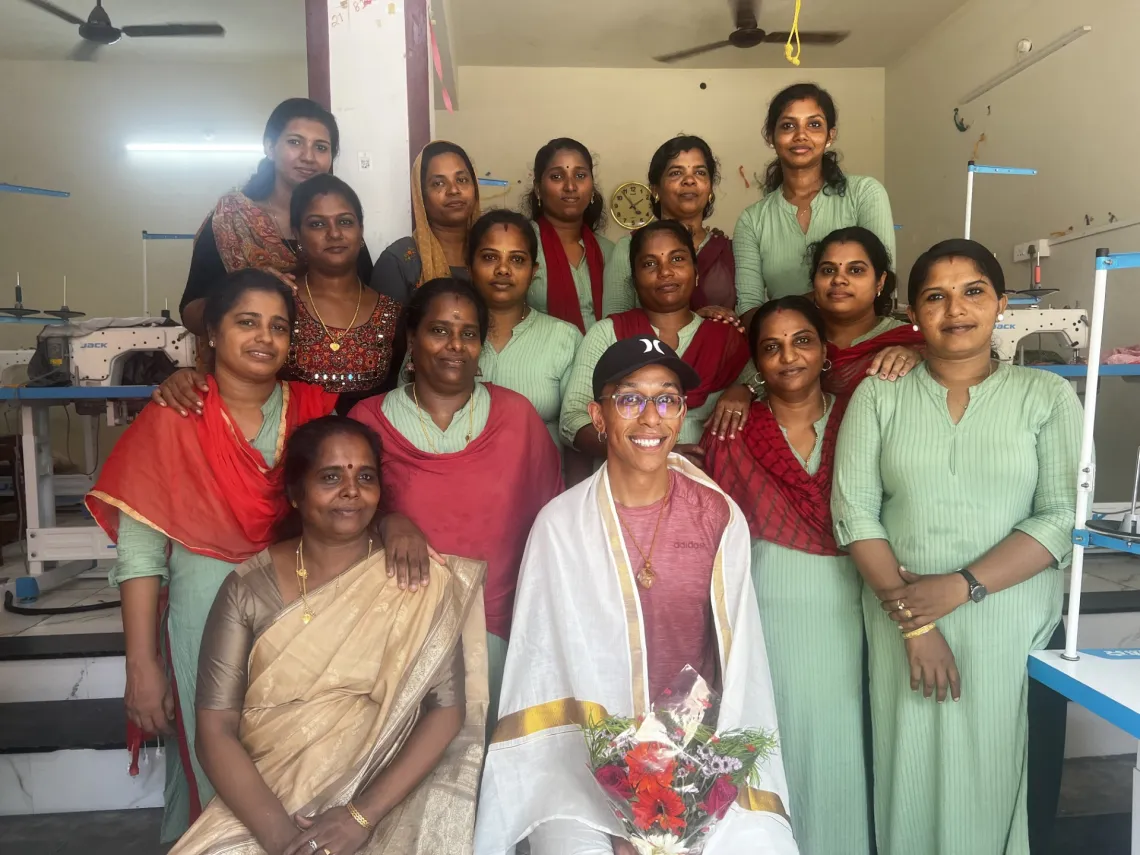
<point x="954" y="494"/>
<point x="636" y="573"/>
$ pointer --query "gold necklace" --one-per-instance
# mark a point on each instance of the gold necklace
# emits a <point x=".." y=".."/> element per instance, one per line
<point x="303" y="576"/>
<point x="645" y="576"/>
<point x="423" y="425"/>
<point x="334" y="343"/>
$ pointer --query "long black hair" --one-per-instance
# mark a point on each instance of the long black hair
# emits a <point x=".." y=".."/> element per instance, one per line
<point x="501" y="217"/>
<point x="532" y="205"/>
<point x="324" y="184"/>
<point x="791" y="303"/>
<point x="669" y="150"/>
<point x="261" y="183"/>
<point x="834" y="181"/>
<point x="226" y="293"/>
<point x="986" y="262"/>
<point x="877" y="253"/>
<point x="422" y="297"/>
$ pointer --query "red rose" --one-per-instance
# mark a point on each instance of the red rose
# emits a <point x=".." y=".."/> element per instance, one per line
<point x="720" y="798"/>
<point x="614" y="781"/>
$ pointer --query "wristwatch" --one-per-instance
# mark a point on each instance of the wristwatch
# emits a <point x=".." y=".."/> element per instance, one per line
<point x="977" y="589"/>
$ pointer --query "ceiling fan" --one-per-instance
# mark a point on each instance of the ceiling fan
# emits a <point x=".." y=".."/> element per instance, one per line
<point x="748" y="34"/>
<point x="97" y="30"/>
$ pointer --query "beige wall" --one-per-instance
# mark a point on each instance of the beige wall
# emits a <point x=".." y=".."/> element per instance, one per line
<point x="65" y="126"/>
<point x="1072" y="117"/>
<point x="505" y="114"/>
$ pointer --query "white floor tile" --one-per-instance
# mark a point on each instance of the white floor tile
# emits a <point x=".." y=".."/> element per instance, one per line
<point x="15" y="785"/>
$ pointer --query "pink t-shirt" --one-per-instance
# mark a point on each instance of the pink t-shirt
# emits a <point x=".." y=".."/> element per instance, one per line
<point x="677" y="608"/>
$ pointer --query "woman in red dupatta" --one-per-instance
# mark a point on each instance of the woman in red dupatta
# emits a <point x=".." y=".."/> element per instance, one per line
<point x="251" y="227"/>
<point x="662" y="256"/>
<point x="567" y="209"/>
<point x="683" y="175"/>
<point x="778" y="469"/>
<point x="853" y="286"/>
<point x="187" y="499"/>
<point x="470" y="463"/>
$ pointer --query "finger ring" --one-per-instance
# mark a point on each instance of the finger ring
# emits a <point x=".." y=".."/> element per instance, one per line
<point x="900" y="606"/>
<point x="327" y="852"/>
<point x="907" y="614"/>
<point x="736" y="412"/>
<point x="313" y="845"/>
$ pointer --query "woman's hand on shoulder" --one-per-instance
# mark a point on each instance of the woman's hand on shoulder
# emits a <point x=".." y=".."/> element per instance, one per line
<point x="932" y="666"/>
<point x="894" y="362"/>
<point x="334" y="831"/>
<point x="731" y="412"/>
<point x="182" y="391"/>
<point x="721" y="315"/>
<point x="407" y="552"/>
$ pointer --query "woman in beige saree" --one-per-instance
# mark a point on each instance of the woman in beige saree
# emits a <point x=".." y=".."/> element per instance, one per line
<point x="337" y="713"/>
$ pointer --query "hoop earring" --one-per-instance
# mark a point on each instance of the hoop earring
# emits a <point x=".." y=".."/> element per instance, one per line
<point x="601" y="436"/>
<point x="826" y="365"/>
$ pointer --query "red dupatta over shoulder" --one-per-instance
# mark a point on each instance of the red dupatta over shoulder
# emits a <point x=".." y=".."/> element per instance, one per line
<point x="716" y="274"/>
<point x="197" y="480"/>
<point x="759" y="470"/>
<point x="479" y="502"/>
<point x="561" y="294"/>
<point x="849" y="365"/>
<point x="718" y="353"/>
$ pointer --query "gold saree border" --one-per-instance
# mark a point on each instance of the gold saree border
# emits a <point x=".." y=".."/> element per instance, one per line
<point x="552" y="714"/>
<point x="761" y="800"/>
<point x="630" y="598"/>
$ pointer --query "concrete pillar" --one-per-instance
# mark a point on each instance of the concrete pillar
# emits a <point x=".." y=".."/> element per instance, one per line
<point x="369" y="62"/>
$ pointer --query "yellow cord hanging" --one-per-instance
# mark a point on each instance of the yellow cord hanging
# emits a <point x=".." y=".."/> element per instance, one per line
<point x="794" y="58"/>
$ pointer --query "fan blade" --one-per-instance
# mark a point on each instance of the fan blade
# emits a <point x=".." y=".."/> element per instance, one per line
<point x="51" y="8"/>
<point x="149" y="30"/>
<point x="84" y="51"/>
<point x="810" y="38"/>
<point x="685" y="54"/>
<point x="744" y="14"/>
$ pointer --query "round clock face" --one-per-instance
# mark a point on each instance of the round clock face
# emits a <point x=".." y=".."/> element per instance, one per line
<point x="632" y="206"/>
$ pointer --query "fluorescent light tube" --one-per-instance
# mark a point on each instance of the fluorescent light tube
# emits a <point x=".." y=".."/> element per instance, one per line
<point x="195" y="147"/>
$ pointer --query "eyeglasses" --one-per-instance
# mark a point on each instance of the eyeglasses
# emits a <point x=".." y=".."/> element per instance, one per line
<point x="630" y="405"/>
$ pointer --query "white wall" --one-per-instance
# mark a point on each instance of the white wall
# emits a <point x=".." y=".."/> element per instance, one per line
<point x="65" y="127"/>
<point x="1073" y="117"/>
<point x="622" y="115"/>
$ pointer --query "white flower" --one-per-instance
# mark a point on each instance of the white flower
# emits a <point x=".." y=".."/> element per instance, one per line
<point x="659" y="844"/>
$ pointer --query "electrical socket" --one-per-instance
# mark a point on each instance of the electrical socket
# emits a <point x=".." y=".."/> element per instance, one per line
<point x="1021" y="250"/>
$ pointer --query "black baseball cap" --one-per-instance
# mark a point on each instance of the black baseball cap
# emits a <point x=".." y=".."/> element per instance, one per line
<point x="632" y="354"/>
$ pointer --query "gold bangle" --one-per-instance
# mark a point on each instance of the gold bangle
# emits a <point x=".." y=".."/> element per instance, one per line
<point x="922" y="630"/>
<point x="361" y="820"/>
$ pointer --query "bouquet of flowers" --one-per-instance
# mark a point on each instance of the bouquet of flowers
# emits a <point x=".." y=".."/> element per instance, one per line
<point x="669" y="775"/>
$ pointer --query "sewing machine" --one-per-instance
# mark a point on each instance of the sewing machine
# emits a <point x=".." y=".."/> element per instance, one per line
<point x="1070" y="325"/>
<point x="114" y="352"/>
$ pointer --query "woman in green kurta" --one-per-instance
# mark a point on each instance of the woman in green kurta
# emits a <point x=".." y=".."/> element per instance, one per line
<point x="778" y="469"/>
<point x="806" y="197"/>
<point x="683" y="175"/>
<point x="471" y="463"/>
<point x="663" y="259"/>
<point x="182" y="498"/>
<point x="526" y="350"/>
<point x="568" y="211"/>
<point x="954" y="492"/>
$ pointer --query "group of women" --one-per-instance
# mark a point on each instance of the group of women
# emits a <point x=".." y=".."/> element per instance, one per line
<point x="318" y="609"/>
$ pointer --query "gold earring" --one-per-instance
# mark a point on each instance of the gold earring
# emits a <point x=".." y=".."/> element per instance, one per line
<point x="712" y="198"/>
<point x="656" y="198"/>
